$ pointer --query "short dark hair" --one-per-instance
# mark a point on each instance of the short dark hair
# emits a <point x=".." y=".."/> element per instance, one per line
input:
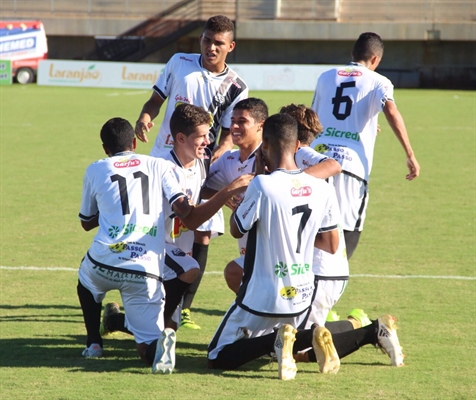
<point x="219" y="24"/>
<point x="368" y="44"/>
<point x="257" y="108"/>
<point x="186" y="117"/>
<point x="309" y="125"/>
<point x="280" y="131"/>
<point x="117" y="135"/>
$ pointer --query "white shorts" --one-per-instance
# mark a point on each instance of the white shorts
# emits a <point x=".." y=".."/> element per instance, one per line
<point x="328" y="294"/>
<point x="142" y="297"/>
<point x="215" y="224"/>
<point x="238" y="324"/>
<point x="177" y="262"/>
<point x="353" y="197"/>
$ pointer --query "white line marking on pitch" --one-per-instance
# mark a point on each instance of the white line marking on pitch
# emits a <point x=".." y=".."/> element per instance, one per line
<point x="468" y="278"/>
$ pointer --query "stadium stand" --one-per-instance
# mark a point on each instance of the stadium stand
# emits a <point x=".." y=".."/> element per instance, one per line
<point x="433" y="41"/>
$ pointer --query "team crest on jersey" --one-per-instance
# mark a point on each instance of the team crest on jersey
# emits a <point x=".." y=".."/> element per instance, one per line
<point x="288" y="292"/>
<point x="126" y="163"/>
<point x="219" y="98"/>
<point x="299" y="190"/>
<point x="321" y="148"/>
<point x="349" y="71"/>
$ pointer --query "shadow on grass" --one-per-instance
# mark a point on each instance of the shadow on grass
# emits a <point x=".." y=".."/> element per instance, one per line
<point x="119" y="355"/>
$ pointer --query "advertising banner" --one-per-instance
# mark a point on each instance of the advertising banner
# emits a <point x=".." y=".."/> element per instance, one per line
<point x="5" y="72"/>
<point x="142" y="75"/>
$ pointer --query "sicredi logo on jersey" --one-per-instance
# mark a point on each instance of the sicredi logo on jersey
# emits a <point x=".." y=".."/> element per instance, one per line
<point x="334" y="132"/>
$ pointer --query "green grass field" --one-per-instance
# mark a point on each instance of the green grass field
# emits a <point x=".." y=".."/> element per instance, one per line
<point x="416" y="260"/>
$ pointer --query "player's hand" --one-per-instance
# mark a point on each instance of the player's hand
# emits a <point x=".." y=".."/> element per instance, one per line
<point x="233" y="202"/>
<point x="142" y="126"/>
<point x="413" y="168"/>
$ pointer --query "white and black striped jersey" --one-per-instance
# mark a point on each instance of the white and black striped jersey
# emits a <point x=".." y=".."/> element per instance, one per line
<point x="282" y="213"/>
<point x="131" y="193"/>
<point x="185" y="80"/>
<point x="191" y="180"/>
<point x="225" y="170"/>
<point x="348" y="100"/>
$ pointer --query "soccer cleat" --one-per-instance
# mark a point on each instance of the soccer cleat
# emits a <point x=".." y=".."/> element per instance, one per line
<point x="359" y="315"/>
<point x="164" y="361"/>
<point x="326" y="353"/>
<point x="109" y="309"/>
<point x="388" y="340"/>
<point x="332" y="316"/>
<point x="186" y="320"/>
<point x="93" y="351"/>
<point x="283" y="348"/>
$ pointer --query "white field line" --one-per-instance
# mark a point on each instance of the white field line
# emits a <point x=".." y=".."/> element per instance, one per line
<point x="466" y="278"/>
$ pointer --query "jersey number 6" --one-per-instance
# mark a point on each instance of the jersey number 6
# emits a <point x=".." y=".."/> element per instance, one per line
<point x="340" y="99"/>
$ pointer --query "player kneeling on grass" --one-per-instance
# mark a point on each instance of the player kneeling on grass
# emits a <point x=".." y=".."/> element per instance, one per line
<point x="128" y="196"/>
<point x="285" y="214"/>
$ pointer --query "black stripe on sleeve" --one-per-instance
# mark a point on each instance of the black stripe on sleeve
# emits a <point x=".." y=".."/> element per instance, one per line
<point x="176" y="197"/>
<point x="327" y="228"/>
<point x="239" y="225"/>
<point x="87" y="218"/>
<point x="159" y="92"/>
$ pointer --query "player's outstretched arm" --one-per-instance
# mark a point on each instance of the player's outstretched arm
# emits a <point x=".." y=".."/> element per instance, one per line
<point x="396" y="122"/>
<point x="193" y="217"/>
<point x="325" y="169"/>
<point x="327" y="241"/>
<point x="150" y="110"/>
<point x="225" y="143"/>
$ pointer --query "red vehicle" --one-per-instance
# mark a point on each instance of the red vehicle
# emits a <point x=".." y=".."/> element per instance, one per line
<point x="24" y="44"/>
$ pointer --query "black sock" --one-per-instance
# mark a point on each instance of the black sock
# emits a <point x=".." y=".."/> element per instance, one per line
<point x="303" y="339"/>
<point x="91" y="315"/>
<point x="200" y="254"/>
<point x="174" y="290"/>
<point x="339" y="326"/>
<point x="243" y="351"/>
<point x="150" y="352"/>
<point x="350" y="341"/>
<point x="117" y="322"/>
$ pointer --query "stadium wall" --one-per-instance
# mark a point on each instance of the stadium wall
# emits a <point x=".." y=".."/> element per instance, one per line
<point x="419" y="53"/>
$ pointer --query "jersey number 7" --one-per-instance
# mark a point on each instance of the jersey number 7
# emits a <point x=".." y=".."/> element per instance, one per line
<point x="306" y="213"/>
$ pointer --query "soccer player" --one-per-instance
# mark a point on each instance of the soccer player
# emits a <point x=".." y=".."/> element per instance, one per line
<point x="331" y="270"/>
<point x="246" y="132"/>
<point x="204" y="80"/>
<point x="201" y="79"/>
<point x="348" y="100"/>
<point x="189" y="159"/>
<point x="128" y="196"/>
<point x="286" y="213"/>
